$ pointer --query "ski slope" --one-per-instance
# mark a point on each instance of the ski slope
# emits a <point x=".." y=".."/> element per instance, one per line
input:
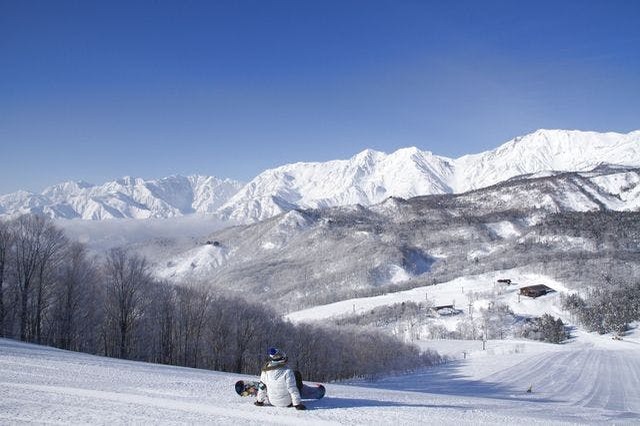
<point x="590" y="380"/>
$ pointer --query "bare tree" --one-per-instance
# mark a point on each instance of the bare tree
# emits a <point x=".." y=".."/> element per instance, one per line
<point x="127" y="278"/>
<point x="74" y="301"/>
<point x="244" y="328"/>
<point x="51" y="255"/>
<point x="161" y="322"/>
<point x="37" y="243"/>
<point x="6" y="241"/>
<point x="193" y="304"/>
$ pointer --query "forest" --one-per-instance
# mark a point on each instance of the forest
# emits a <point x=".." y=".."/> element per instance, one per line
<point x="608" y="308"/>
<point x="54" y="292"/>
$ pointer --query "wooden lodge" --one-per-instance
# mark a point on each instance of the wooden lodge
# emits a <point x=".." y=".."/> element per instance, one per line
<point x="437" y="308"/>
<point x="535" y="290"/>
<point x="445" y="310"/>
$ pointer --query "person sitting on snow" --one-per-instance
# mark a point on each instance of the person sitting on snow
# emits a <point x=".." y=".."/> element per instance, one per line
<point x="278" y="383"/>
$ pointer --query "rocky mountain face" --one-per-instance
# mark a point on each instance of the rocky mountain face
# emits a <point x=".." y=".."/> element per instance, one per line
<point x="368" y="178"/>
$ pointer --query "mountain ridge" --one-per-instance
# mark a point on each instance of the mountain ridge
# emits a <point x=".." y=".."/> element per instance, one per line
<point x="127" y="197"/>
<point x="367" y="178"/>
<point x="410" y="172"/>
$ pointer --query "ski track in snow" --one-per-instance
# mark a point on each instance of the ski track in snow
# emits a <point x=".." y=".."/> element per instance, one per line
<point x="589" y="380"/>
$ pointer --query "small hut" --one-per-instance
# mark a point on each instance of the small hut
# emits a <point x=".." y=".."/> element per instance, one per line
<point x="445" y="310"/>
<point x="535" y="290"/>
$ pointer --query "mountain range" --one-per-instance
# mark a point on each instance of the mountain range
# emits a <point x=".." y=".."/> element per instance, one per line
<point x="131" y="198"/>
<point x="368" y="178"/>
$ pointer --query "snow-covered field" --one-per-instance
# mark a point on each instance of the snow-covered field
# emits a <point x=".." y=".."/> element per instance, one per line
<point x="478" y="289"/>
<point x="593" y="379"/>
<point x="589" y="379"/>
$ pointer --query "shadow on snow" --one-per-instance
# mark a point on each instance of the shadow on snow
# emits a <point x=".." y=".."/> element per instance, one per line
<point x="445" y="380"/>
<point x="332" y="403"/>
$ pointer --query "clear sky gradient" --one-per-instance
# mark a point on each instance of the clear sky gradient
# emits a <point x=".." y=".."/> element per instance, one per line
<point x="96" y="90"/>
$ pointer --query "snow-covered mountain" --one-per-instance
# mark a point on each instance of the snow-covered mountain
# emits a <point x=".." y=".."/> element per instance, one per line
<point x="366" y="179"/>
<point x="546" y="150"/>
<point x="370" y="177"/>
<point x="125" y="198"/>
<point x="308" y="257"/>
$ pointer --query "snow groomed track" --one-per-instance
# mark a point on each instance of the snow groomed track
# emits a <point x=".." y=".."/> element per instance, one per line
<point x="589" y="381"/>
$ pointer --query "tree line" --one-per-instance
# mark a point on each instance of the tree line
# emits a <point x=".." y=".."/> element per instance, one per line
<point x="54" y="292"/>
<point x="607" y="308"/>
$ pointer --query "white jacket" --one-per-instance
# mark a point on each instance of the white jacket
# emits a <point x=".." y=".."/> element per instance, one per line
<point x="281" y="389"/>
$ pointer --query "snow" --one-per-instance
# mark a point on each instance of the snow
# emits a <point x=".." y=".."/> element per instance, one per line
<point x="367" y="178"/>
<point x="370" y="177"/>
<point x="504" y="229"/>
<point x="547" y="150"/>
<point x="591" y="380"/>
<point x="624" y="185"/>
<point x="129" y="197"/>
<point x="454" y="292"/>
<point x="398" y="274"/>
<point x="204" y="259"/>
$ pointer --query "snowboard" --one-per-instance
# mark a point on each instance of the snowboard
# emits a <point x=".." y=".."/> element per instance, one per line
<point x="250" y="388"/>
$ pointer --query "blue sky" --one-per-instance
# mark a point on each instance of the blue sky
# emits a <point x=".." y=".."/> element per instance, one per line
<point x="97" y="90"/>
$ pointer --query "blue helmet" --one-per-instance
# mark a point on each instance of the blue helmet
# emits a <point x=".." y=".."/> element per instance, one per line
<point x="276" y="354"/>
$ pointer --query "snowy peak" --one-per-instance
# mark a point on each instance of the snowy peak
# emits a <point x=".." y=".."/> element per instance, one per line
<point x="127" y="197"/>
<point x="367" y="178"/>
<point x="62" y="190"/>
<point x="368" y="156"/>
<point x="372" y="176"/>
<point x="546" y="150"/>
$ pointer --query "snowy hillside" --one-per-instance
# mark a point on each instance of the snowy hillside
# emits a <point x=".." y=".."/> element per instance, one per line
<point x="311" y="257"/>
<point x="479" y="291"/>
<point x="46" y="385"/>
<point x="367" y="178"/>
<point x="370" y="177"/>
<point x="124" y="198"/>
